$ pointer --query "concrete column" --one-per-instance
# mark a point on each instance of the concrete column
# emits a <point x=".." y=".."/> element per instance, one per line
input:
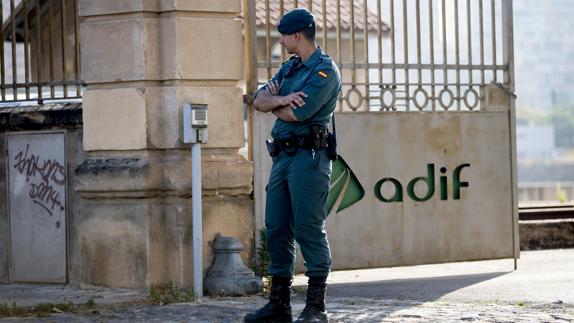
<point x="141" y="60"/>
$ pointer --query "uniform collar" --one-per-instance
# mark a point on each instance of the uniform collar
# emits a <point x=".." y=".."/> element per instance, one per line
<point x="312" y="60"/>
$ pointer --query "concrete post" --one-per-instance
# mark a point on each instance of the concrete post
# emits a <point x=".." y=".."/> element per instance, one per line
<point x="142" y="60"/>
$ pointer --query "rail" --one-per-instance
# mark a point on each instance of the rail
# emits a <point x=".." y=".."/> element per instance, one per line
<point x="39" y="51"/>
<point x="546" y="211"/>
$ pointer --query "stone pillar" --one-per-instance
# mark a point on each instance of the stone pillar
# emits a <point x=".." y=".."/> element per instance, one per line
<point x="141" y="60"/>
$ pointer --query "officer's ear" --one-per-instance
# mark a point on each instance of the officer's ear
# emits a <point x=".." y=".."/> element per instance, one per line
<point x="297" y="35"/>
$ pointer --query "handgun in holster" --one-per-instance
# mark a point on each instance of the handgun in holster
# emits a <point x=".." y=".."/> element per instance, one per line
<point x="318" y="137"/>
<point x="272" y="147"/>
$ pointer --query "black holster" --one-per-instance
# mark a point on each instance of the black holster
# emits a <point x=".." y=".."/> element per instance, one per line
<point x="318" y="138"/>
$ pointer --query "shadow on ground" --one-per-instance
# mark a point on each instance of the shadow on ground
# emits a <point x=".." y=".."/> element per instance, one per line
<point x="418" y="289"/>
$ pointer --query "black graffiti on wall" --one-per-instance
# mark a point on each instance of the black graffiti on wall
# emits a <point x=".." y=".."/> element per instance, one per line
<point x="45" y="176"/>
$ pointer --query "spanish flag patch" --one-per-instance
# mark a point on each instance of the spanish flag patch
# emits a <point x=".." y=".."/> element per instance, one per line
<point x="323" y="74"/>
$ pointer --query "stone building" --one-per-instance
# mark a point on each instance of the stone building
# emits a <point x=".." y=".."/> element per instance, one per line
<point x="127" y="208"/>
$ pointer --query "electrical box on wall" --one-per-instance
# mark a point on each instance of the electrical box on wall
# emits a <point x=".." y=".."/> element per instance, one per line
<point x="194" y="123"/>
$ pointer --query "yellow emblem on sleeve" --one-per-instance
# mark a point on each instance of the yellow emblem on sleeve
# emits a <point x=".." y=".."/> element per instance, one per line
<point x="323" y="74"/>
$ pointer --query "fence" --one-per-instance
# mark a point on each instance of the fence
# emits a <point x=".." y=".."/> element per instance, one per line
<point x="39" y="52"/>
<point x="421" y="55"/>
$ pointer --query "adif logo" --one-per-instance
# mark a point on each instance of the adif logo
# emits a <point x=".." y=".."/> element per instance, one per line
<point x="344" y="189"/>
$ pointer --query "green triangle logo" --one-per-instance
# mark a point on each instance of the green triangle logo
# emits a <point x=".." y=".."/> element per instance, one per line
<point x="344" y="189"/>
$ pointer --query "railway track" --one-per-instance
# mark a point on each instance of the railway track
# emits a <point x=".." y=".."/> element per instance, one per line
<point x="546" y="211"/>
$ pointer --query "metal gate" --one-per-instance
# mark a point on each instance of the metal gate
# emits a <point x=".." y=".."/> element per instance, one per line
<point x="400" y="55"/>
<point x="425" y="64"/>
<point x="37" y="207"/>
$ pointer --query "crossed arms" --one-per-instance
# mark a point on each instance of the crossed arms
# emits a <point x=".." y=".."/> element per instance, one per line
<point x="282" y="107"/>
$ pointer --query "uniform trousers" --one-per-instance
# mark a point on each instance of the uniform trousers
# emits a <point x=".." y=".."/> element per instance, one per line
<point x="296" y="211"/>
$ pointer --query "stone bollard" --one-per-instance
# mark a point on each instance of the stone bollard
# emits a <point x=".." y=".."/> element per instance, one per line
<point x="228" y="276"/>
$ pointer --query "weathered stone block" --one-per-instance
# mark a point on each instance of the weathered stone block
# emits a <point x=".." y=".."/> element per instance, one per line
<point x="221" y="174"/>
<point x="225" y="115"/>
<point x="171" y="239"/>
<point x="134" y="243"/>
<point x="201" y="5"/>
<point x="196" y="48"/>
<point x="107" y="7"/>
<point x="116" y="174"/>
<point x="150" y="173"/>
<point x="113" y="243"/>
<point x="228" y="216"/>
<point x="115" y="119"/>
<point x="120" y="50"/>
<point x="135" y="118"/>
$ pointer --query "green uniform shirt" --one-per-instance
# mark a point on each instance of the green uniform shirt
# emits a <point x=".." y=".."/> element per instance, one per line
<point x="319" y="78"/>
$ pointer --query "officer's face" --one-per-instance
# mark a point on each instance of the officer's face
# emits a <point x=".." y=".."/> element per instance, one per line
<point x="288" y="41"/>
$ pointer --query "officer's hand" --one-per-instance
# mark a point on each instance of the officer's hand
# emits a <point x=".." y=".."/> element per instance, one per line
<point x="295" y="100"/>
<point x="274" y="87"/>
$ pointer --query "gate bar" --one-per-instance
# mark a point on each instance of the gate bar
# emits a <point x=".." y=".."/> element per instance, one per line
<point x="26" y="54"/>
<point x="508" y="57"/>
<point x="469" y="39"/>
<point x="14" y="61"/>
<point x="457" y="54"/>
<point x="431" y="45"/>
<point x="39" y="53"/>
<point x="2" y="63"/>
<point x="406" y="54"/>
<point x="493" y="19"/>
<point x="481" y="24"/>
<point x="366" y="48"/>
<point x="63" y="44"/>
<point x="77" y="47"/>
<point x="250" y="49"/>
<point x="444" y="52"/>
<point x="379" y="42"/>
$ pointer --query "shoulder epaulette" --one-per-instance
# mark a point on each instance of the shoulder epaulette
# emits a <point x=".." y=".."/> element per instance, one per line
<point x="326" y="60"/>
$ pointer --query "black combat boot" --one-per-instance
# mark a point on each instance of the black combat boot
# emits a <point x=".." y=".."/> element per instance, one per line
<point x="279" y="307"/>
<point x="314" y="311"/>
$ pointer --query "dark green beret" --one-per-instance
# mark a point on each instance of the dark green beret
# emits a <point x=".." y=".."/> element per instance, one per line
<point x="295" y="20"/>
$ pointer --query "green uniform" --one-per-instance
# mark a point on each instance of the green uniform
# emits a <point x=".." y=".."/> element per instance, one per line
<point x="299" y="184"/>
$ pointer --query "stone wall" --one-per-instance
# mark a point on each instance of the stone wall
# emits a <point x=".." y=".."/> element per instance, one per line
<point x="136" y="215"/>
<point x="547" y="234"/>
<point x="135" y="182"/>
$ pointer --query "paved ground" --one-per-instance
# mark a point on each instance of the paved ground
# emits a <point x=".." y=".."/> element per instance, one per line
<point x="541" y="290"/>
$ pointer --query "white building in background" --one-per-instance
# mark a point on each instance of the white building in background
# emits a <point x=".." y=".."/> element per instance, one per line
<point x="544" y="52"/>
<point x="535" y="141"/>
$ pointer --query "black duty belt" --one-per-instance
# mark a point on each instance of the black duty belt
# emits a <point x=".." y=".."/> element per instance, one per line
<point x="290" y="145"/>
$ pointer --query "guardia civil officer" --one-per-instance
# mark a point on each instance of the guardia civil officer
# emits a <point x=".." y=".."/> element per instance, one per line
<point x="302" y="95"/>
